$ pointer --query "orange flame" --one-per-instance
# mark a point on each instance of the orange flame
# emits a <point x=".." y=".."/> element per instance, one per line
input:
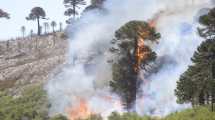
<point x="153" y="22"/>
<point x="142" y="52"/>
<point x="81" y="111"/>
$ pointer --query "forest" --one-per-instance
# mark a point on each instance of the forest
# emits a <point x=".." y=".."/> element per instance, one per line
<point x="129" y="60"/>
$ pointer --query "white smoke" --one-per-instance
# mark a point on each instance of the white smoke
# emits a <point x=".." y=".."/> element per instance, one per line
<point x="87" y="73"/>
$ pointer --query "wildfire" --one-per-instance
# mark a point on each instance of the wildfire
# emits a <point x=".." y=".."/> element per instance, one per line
<point x="81" y="111"/>
<point x="142" y="51"/>
<point x="153" y="22"/>
<point x="141" y="54"/>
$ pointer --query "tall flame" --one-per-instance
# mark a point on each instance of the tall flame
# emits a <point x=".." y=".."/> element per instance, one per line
<point x="81" y="111"/>
<point x="142" y="52"/>
<point x="153" y="22"/>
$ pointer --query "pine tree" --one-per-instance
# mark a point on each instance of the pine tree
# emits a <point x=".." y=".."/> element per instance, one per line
<point x="125" y="75"/>
<point x="72" y="6"/>
<point x="53" y="24"/>
<point x="46" y="27"/>
<point x="37" y="13"/>
<point x="197" y="84"/>
<point x="23" y="29"/>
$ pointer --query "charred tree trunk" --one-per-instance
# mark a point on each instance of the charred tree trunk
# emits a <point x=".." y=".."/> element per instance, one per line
<point x="201" y="98"/>
<point x="74" y="10"/>
<point x="38" y="26"/>
<point x="133" y="78"/>
<point x="212" y="103"/>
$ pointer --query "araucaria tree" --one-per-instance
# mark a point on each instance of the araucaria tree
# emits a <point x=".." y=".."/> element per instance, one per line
<point x="72" y="6"/>
<point x="23" y="31"/>
<point x="197" y="84"/>
<point x="131" y="56"/>
<point x="4" y="14"/>
<point x="46" y="27"/>
<point x="53" y="24"/>
<point x="60" y="26"/>
<point x="37" y="13"/>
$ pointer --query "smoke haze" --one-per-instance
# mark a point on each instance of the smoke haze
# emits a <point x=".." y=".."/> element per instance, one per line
<point x="87" y="73"/>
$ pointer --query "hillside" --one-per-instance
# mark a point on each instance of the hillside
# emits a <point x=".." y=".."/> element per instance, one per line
<point x="30" y="59"/>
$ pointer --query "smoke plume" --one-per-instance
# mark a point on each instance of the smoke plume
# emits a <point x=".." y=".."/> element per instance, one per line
<point x="87" y="73"/>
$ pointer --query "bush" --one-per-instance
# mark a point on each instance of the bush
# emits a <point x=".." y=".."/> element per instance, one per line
<point x="59" y="117"/>
<point x="33" y="104"/>
<point x="199" y="113"/>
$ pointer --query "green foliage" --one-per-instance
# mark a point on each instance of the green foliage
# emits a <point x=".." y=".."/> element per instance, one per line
<point x="37" y="13"/>
<point x="200" y="113"/>
<point x="53" y="24"/>
<point x="127" y="116"/>
<point x="197" y="84"/>
<point x="31" y="105"/>
<point x="133" y="29"/>
<point x="125" y="81"/>
<point x="58" y="117"/>
<point x="94" y="117"/>
<point x="208" y="21"/>
<point x="72" y="6"/>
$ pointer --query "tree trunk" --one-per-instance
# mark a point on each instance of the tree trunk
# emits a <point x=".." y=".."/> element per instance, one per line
<point x="38" y="25"/>
<point x="74" y="11"/>
<point x="53" y="29"/>
<point x="133" y="80"/>
<point x="212" y="102"/>
<point x="45" y="29"/>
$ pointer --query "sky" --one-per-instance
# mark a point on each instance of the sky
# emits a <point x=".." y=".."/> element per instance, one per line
<point x="19" y="10"/>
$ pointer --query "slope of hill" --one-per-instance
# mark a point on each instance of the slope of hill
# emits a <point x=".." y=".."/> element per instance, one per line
<point x="31" y="59"/>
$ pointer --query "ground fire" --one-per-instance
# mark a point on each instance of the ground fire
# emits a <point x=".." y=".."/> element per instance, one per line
<point x="80" y="111"/>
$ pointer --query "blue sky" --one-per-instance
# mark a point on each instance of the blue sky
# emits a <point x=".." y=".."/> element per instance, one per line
<point x="19" y="9"/>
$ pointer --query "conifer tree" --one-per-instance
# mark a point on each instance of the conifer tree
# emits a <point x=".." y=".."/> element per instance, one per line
<point x="125" y="74"/>
<point x="197" y="84"/>
<point x="72" y="6"/>
<point x="37" y="13"/>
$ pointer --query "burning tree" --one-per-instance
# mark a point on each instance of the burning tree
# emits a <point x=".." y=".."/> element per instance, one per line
<point x="131" y="55"/>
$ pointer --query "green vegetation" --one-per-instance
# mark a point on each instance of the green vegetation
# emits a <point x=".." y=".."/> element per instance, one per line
<point x="23" y="29"/>
<point x="199" y="113"/>
<point x="72" y="6"/>
<point x="53" y="24"/>
<point x="32" y="104"/>
<point x="197" y="84"/>
<point x="132" y="55"/>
